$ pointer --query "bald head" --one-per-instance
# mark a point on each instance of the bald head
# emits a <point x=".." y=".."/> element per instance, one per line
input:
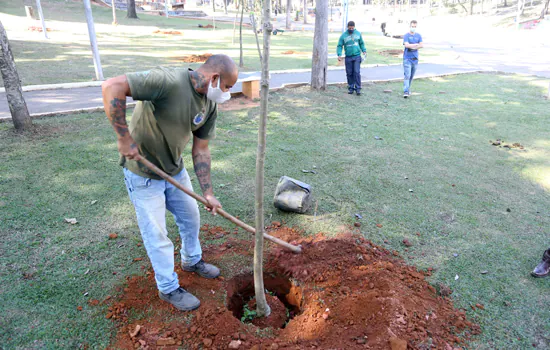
<point x="220" y="68"/>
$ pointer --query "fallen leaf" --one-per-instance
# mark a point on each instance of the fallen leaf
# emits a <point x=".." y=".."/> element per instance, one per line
<point x="480" y="306"/>
<point x="456" y="277"/>
<point x="93" y="202"/>
<point x="138" y="259"/>
<point x="358" y="216"/>
<point x="379" y="225"/>
<point x="71" y="221"/>
<point x="484" y="272"/>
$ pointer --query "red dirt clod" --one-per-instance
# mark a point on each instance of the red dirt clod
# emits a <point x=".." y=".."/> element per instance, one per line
<point x="407" y="243"/>
<point x="138" y="259"/>
<point x="113" y="236"/>
<point x="207" y="342"/>
<point x="357" y="224"/>
<point x="234" y="344"/>
<point x="398" y="344"/>
<point x="79" y="308"/>
<point x="195" y="59"/>
<point x="93" y="302"/>
<point x="379" y="225"/>
<point x="135" y="332"/>
<point x="166" y="341"/>
<point x="480" y="306"/>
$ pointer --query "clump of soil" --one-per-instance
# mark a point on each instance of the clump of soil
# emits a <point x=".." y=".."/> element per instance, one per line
<point x="292" y="52"/>
<point x="195" y="58"/>
<point x="276" y="318"/>
<point x="38" y="29"/>
<point x="348" y="292"/>
<point x="169" y="32"/>
<point x="391" y="53"/>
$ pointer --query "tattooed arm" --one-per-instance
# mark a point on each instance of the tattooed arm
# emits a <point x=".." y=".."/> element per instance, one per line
<point x="201" y="161"/>
<point x="115" y="91"/>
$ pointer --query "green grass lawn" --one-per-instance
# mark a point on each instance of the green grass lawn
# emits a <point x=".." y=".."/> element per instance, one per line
<point x="488" y="205"/>
<point x="132" y="45"/>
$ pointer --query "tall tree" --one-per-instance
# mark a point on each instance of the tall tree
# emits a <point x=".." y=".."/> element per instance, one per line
<point x="305" y="11"/>
<point x="319" y="62"/>
<point x="262" y="308"/>
<point x="131" y="9"/>
<point x="113" y="7"/>
<point x="241" y="61"/>
<point x="18" y="107"/>
<point x="288" y="6"/>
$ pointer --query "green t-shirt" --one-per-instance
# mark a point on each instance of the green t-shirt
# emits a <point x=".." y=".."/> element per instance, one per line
<point x="168" y="111"/>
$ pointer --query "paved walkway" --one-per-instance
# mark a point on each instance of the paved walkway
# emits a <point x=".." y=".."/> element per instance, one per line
<point x="59" y="100"/>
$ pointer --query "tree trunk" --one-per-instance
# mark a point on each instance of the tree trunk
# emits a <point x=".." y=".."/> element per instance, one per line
<point x="18" y="107"/>
<point x="241" y="60"/>
<point x="131" y="9"/>
<point x="505" y="4"/>
<point x="255" y="29"/>
<point x="262" y="309"/>
<point x="319" y="62"/>
<point x="471" y="7"/>
<point x="288" y="6"/>
<point x="305" y="11"/>
<point x="225" y="6"/>
<point x="544" y="9"/>
<point x="113" y="5"/>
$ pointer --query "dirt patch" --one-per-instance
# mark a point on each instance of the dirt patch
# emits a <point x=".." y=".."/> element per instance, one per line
<point x="276" y="318"/>
<point x="347" y="293"/>
<point x="38" y="29"/>
<point x="292" y="52"/>
<point x="195" y="58"/>
<point x="391" y="53"/>
<point x="168" y="32"/>
<point x="208" y="26"/>
<point x="237" y="103"/>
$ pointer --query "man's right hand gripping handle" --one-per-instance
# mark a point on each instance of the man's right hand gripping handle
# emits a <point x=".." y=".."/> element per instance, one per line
<point x="115" y="91"/>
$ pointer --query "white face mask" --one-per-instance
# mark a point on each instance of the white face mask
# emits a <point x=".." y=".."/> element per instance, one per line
<point x="216" y="94"/>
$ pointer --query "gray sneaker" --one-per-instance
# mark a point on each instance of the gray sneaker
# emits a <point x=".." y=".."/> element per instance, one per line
<point x="181" y="299"/>
<point x="543" y="269"/>
<point x="203" y="269"/>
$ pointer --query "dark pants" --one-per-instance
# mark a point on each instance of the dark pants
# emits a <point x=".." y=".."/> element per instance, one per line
<point x="353" y="72"/>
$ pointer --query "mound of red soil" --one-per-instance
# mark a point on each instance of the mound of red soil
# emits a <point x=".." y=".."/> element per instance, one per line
<point x="352" y="294"/>
<point x="38" y="29"/>
<point x="392" y="53"/>
<point x="276" y="318"/>
<point x="171" y="32"/>
<point x="195" y="58"/>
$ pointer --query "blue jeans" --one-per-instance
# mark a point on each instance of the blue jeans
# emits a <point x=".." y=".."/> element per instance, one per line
<point x="353" y="73"/>
<point x="409" y="66"/>
<point x="151" y="198"/>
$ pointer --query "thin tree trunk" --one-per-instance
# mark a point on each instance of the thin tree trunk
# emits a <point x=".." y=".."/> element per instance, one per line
<point x="225" y="6"/>
<point x="288" y="6"/>
<point x="241" y="60"/>
<point x="471" y="7"/>
<point x="544" y="9"/>
<point x="131" y="9"/>
<point x="255" y="29"/>
<point x="113" y="5"/>
<point x="262" y="309"/>
<point x="320" y="47"/>
<point x="305" y="11"/>
<point x="18" y="107"/>
<point x="214" y="5"/>
<point x="234" y="28"/>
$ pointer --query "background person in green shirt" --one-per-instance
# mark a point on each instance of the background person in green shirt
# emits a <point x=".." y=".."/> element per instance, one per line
<point x="174" y="104"/>
<point x="353" y="43"/>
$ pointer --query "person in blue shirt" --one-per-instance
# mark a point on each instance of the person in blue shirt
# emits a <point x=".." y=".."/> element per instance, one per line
<point x="354" y="45"/>
<point x="412" y="42"/>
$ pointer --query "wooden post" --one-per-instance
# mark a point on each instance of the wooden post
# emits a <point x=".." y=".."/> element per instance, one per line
<point x="93" y="40"/>
<point x="39" y="8"/>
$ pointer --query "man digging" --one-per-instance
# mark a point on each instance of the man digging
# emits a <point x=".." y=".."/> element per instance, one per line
<point x="173" y="105"/>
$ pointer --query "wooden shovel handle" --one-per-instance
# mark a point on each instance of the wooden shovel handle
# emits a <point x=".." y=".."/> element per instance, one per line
<point x="223" y="213"/>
